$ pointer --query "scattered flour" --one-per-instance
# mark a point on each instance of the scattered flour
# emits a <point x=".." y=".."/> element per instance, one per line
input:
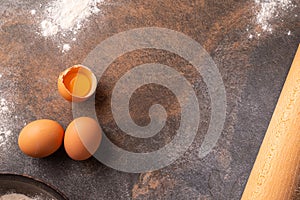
<point x="268" y="13"/>
<point x="4" y="137"/>
<point x="5" y="134"/>
<point x="67" y="16"/>
<point x="270" y="10"/>
<point x="3" y="106"/>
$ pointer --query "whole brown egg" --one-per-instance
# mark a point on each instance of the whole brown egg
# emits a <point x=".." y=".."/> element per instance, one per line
<point x="82" y="138"/>
<point x="41" y="138"/>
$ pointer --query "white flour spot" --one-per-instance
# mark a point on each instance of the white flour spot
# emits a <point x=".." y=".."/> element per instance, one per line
<point x="289" y="33"/>
<point x="270" y="30"/>
<point x="66" y="47"/>
<point x="33" y="12"/>
<point x="8" y="134"/>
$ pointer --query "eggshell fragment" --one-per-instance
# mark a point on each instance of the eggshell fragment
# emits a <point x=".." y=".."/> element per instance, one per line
<point x="41" y="138"/>
<point x="82" y="138"/>
<point x="77" y="83"/>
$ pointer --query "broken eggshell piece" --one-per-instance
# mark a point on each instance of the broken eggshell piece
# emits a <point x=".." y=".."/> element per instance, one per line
<point x="77" y="83"/>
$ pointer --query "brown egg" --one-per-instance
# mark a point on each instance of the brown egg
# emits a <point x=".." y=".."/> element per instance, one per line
<point x="41" y="138"/>
<point x="77" y="83"/>
<point x="82" y="138"/>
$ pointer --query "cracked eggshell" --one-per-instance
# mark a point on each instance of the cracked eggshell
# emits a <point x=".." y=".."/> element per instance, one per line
<point x="77" y="83"/>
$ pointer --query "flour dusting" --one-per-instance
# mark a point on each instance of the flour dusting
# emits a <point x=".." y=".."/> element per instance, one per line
<point x="67" y="15"/>
<point x="4" y="137"/>
<point x="270" y="10"/>
<point x="3" y="106"/>
<point x="5" y="114"/>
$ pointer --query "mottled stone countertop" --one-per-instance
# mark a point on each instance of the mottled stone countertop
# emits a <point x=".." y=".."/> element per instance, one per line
<point x="252" y="62"/>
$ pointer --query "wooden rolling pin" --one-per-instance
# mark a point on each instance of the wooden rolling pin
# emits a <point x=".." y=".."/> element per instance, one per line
<point x="274" y="174"/>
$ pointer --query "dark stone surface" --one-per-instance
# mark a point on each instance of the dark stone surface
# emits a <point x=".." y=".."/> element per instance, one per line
<point x="253" y="71"/>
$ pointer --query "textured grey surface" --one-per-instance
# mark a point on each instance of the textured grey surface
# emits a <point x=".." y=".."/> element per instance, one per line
<point x="253" y="71"/>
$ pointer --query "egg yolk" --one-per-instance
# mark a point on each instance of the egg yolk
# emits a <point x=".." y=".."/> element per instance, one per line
<point x="78" y="84"/>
